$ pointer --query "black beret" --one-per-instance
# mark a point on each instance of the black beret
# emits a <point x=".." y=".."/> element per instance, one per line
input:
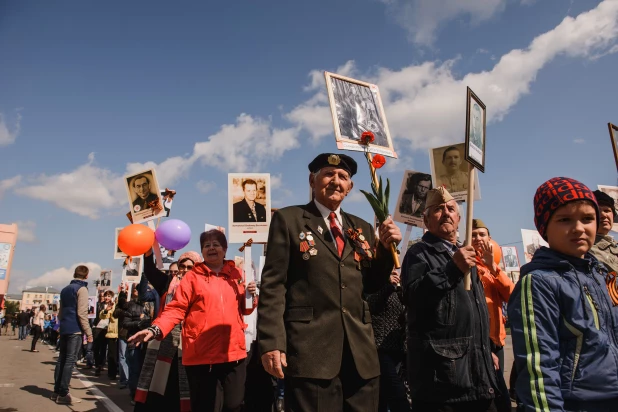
<point x="340" y="161"/>
<point x="603" y="199"/>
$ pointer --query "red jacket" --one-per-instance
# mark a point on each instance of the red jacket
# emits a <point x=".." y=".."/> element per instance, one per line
<point x="498" y="289"/>
<point x="211" y="305"/>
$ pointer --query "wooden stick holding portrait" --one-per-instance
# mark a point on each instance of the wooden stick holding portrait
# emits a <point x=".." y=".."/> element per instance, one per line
<point x="476" y="116"/>
<point x="613" y="135"/>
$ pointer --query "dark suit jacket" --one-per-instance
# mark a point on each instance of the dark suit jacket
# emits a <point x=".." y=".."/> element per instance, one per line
<point x="143" y="204"/>
<point x="242" y="212"/>
<point x="306" y="307"/>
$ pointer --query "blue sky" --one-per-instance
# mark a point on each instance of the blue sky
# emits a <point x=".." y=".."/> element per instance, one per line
<point x="90" y="91"/>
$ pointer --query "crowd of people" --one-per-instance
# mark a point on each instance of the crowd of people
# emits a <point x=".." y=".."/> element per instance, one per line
<point x="333" y="327"/>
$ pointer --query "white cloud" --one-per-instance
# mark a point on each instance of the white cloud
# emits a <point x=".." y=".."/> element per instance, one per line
<point x="57" y="278"/>
<point x="25" y="231"/>
<point x="276" y="181"/>
<point x="425" y="103"/>
<point x="9" y="135"/>
<point x="8" y="184"/>
<point x="423" y="18"/>
<point x="204" y="187"/>
<point x="579" y="141"/>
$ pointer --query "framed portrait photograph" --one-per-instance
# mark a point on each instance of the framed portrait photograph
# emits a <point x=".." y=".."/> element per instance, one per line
<point x="510" y="258"/>
<point x="92" y="307"/>
<point x="105" y="280"/>
<point x="412" y="197"/>
<point x="166" y="201"/>
<point x="450" y="170"/>
<point x="144" y="196"/>
<point x="118" y="254"/>
<point x="613" y="135"/>
<point x="612" y="191"/>
<point x="532" y="242"/>
<point x="356" y="107"/>
<point x="475" y="131"/>
<point x="132" y="270"/>
<point x="248" y="207"/>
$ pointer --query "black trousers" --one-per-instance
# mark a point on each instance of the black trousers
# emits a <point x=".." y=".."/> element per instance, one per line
<point x="218" y="387"/>
<point x="112" y="358"/>
<point x="392" y="391"/>
<point x="99" y="346"/>
<point x="36" y="334"/>
<point x="473" y="406"/>
<point x="260" y="385"/>
<point x="347" y="392"/>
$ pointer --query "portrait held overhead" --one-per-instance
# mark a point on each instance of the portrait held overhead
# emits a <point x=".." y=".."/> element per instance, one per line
<point x="511" y="260"/>
<point x="475" y="130"/>
<point x="532" y="242"/>
<point x="144" y="196"/>
<point x="450" y="170"/>
<point x="356" y="108"/>
<point x="412" y="198"/>
<point x="249" y="206"/>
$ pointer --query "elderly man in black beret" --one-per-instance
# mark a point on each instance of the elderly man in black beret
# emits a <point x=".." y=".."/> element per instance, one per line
<point x="605" y="247"/>
<point x="313" y="322"/>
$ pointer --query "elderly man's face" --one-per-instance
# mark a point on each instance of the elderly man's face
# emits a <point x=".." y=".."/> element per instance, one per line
<point x="422" y="188"/>
<point x="443" y="220"/>
<point x="607" y="219"/>
<point x="452" y="160"/>
<point x="331" y="185"/>
<point x="142" y="187"/>
<point x="250" y="191"/>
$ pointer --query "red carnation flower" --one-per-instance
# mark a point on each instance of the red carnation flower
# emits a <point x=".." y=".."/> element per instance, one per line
<point x="378" y="161"/>
<point x="367" y="137"/>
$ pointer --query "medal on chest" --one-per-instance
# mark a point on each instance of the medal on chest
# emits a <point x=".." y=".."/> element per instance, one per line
<point x="307" y="245"/>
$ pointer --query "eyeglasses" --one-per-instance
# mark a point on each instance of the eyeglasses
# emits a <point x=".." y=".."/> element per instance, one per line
<point x="184" y="268"/>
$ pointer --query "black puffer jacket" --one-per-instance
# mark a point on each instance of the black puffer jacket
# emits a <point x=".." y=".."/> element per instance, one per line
<point x="136" y="318"/>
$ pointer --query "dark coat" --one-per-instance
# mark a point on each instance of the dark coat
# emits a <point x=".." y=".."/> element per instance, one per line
<point x="242" y="212"/>
<point x="308" y="307"/>
<point x="449" y="356"/>
<point x="143" y="203"/>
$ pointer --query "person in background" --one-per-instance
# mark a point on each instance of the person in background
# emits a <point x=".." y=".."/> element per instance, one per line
<point x="38" y="325"/>
<point x="563" y="324"/>
<point x="136" y="318"/>
<point x="388" y="322"/>
<point x="605" y="248"/>
<point x="73" y="316"/>
<point x="22" y="320"/>
<point x="111" y="335"/>
<point x="119" y="313"/>
<point x="99" y="345"/>
<point x="163" y="380"/>
<point x="210" y="301"/>
<point x="47" y="329"/>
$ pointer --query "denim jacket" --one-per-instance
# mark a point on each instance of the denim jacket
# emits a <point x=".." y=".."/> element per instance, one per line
<point x="449" y="356"/>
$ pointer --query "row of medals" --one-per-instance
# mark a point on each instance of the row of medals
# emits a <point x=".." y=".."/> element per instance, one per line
<point x="307" y="245"/>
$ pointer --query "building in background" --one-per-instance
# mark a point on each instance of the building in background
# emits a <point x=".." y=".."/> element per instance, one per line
<point x="34" y="297"/>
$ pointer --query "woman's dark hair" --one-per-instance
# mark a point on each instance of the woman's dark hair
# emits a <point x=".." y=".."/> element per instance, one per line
<point x="213" y="234"/>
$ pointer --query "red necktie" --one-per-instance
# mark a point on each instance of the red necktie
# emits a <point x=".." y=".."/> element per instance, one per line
<point x="336" y="232"/>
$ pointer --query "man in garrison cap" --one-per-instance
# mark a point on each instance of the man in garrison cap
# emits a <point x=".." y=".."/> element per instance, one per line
<point x="314" y="327"/>
<point x="450" y="364"/>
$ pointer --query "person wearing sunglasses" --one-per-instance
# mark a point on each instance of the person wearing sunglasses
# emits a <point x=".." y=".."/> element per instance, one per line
<point x="164" y="391"/>
<point x="210" y="302"/>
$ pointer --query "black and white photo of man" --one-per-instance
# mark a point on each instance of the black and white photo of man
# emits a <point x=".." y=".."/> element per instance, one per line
<point x="248" y="210"/>
<point x="476" y="126"/>
<point x="144" y="196"/>
<point x="510" y="258"/>
<point x="413" y="199"/>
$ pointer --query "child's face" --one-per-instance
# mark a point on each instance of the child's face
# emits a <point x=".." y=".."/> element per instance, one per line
<point x="572" y="229"/>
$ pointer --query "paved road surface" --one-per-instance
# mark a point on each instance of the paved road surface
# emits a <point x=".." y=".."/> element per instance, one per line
<point x="26" y="381"/>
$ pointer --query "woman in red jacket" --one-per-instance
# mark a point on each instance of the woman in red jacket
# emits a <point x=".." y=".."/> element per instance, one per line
<point x="210" y="300"/>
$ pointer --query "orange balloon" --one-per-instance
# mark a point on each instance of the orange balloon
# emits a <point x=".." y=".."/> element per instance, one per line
<point x="497" y="252"/>
<point x="135" y="240"/>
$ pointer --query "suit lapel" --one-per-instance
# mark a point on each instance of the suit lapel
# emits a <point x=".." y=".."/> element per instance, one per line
<point x="313" y="220"/>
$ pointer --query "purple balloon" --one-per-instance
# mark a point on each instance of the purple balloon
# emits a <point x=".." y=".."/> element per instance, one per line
<point x="173" y="234"/>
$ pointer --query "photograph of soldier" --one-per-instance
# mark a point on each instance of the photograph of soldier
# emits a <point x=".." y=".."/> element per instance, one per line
<point x="248" y="207"/>
<point x="509" y="255"/>
<point x="412" y="197"/>
<point x="144" y="196"/>
<point x="532" y="242"/>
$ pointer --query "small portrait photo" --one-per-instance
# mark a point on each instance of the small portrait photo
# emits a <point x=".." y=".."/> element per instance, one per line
<point x="450" y="170"/>
<point x="613" y="135"/>
<point x="144" y="196"/>
<point x="132" y="269"/>
<point x="475" y="131"/>
<point x="167" y="198"/>
<point x="92" y="304"/>
<point x="356" y="107"/>
<point x="510" y="259"/>
<point x="248" y="207"/>
<point x="412" y="198"/>
<point x="118" y="254"/>
<point x="612" y="191"/>
<point x="105" y="280"/>
<point x="532" y="242"/>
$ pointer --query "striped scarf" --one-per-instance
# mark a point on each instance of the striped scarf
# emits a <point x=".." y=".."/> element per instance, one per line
<point x="158" y="362"/>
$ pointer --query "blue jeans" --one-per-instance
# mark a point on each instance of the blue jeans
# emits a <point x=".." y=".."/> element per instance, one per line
<point x="122" y="361"/>
<point x="135" y="360"/>
<point x="69" y="346"/>
<point x="23" y="332"/>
